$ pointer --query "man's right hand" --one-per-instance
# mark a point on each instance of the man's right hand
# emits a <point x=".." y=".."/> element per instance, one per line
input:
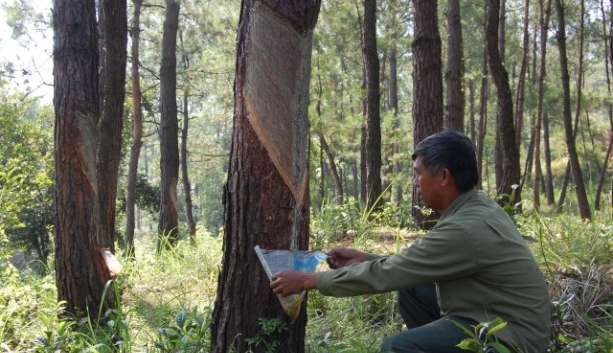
<point x="341" y="257"/>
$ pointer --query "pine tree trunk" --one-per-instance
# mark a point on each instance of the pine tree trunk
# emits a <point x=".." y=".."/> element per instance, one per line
<point x="169" y="130"/>
<point x="510" y="170"/>
<point x="338" y="185"/>
<point x="544" y="12"/>
<point x="547" y="153"/>
<point x="575" y="168"/>
<point x="187" y="189"/>
<point x="521" y="80"/>
<point x="454" y="73"/>
<point x="393" y="105"/>
<point x="601" y="179"/>
<point x="427" y="86"/>
<point x="81" y="273"/>
<point x="483" y="99"/>
<point x="137" y="127"/>
<point x="114" y="26"/>
<point x="373" y="114"/>
<point x="266" y="200"/>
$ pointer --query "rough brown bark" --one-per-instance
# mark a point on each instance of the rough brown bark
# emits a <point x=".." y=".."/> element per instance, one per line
<point x="510" y="171"/>
<point x="582" y="201"/>
<point x="427" y="84"/>
<point x="81" y="273"/>
<point x="137" y="128"/>
<point x="373" y="114"/>
<point x="169" y="130"/>
<point x="454" y="73"/>
<point x="114" y="26"/>
<point x="263" y="204"/>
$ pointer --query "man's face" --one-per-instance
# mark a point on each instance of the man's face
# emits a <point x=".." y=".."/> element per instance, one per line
<point x="426" y="184"/>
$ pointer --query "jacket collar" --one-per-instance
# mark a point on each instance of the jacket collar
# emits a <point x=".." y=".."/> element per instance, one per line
<point x="458" y="202"/>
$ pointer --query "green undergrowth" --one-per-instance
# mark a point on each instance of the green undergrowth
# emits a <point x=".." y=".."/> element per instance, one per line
<point x="167" y="300"/>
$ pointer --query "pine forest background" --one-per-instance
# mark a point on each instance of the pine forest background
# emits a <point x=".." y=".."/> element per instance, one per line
<point x="206" y="61"/>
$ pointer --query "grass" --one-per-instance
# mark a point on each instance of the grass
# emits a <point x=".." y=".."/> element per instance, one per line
<point x="167" y="299"/>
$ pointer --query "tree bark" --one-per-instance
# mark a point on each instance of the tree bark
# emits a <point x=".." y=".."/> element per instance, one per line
<point x="544" y="12"/>
<point x="582" y="201"/>
<point x="266" y="196"/>
<point x="505" y="120"/>
<point x="427" y="86"/>
<point x="502" y="35"/>
<point x="483" y="99"/>
<point x="187" y="189"/>
<point x="603" y="173"/>
<point x="325" y="148"/>
<point x="169" y="130"/>
<point x="521" y="81"/>
<point x="373" y="114"/>
<point x="393" y="105"/>
<point x="547" y="153"/>
<point x="137" y="128"/>
<point x="114" y="25"/>
<point x="81" y="272"/>
<point x="454" y="74"/>
<point x="472" y="126"/>
<point x="338" y="185"/>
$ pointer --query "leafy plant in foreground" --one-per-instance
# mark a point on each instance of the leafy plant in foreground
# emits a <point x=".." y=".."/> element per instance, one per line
<point x="268" y="327"/>
<point x="187" y="333"/>
<point x="483" y="337"/>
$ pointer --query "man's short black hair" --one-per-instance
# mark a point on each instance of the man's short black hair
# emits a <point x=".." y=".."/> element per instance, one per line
<point x="451" y="150"/>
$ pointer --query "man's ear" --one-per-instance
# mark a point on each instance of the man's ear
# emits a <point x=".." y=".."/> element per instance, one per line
<point x="445" y="177"/>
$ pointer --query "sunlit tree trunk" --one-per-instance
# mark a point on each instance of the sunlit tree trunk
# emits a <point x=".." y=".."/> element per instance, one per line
<point x="266" y="196"/>
<point x="544" y="12"/>
<point x="137" y="128"/>
<point x="84" y="210"/>
<point x="603" y="173"/>
<point x="187" y="189"/>
<point x="575" y="167"/>
<point x="169" y="130"/>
